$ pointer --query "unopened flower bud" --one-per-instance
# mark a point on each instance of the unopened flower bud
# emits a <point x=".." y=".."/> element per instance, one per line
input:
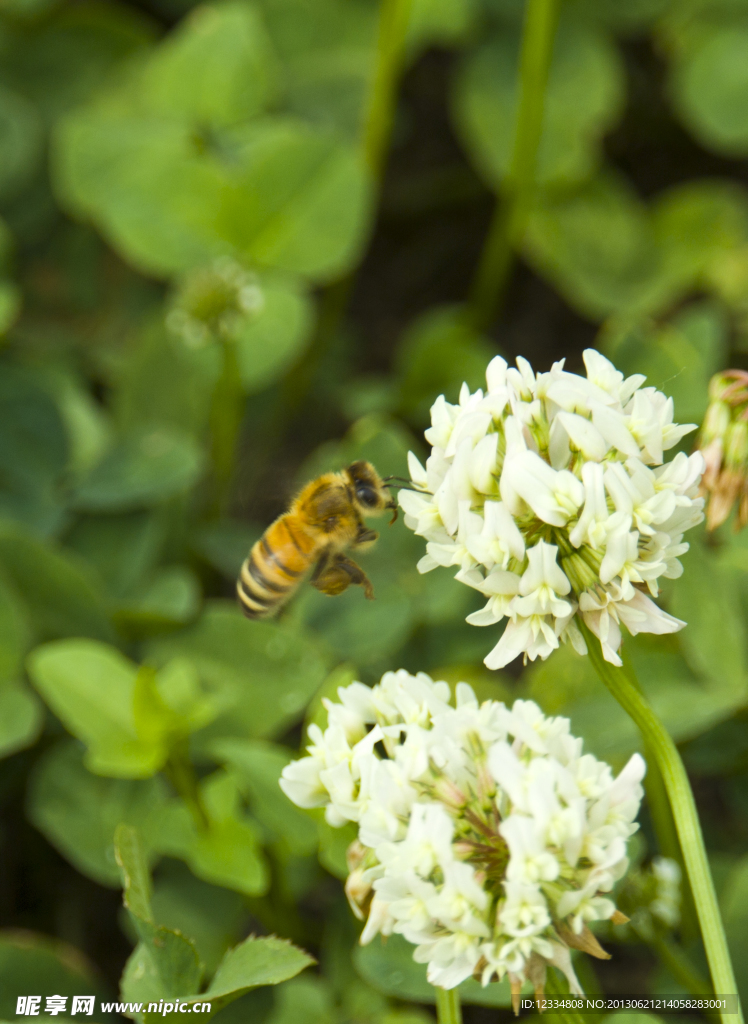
<point x="736" y="445"/>
<point x="214" y="303"/>
<point x="358" y="885"/>
<point x="716" y="421"/>
<point x="448" y="793"/>
<point x="358" y="892"/>
<point x="355" y="855"/>
<point x="580" y="573"/>
<point x="723" y="441"/>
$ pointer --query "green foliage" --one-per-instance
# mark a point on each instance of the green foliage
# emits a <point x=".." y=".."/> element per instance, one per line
<point x="711" y="598"/>
<point x="273" y="191"/>
<point x="214" y="917"/>
<point x="223" y="847"/>
<point x="299" y="202"/>
<point x="78" y="811"/>
<point x="253" y="963"/>
<point x="33" y="452"/>
<point x="215" y="70"/>
<point x="270" y="343"/>
<point x="60" y="597"/>
<point x="678" y="358"/>
<point x="585" y="97"/>
<point x="710" y="89"/>
<point x="257" y="766"/>
<point x="153" y="421"/>
<point x="688" y="703"/>
<point x="733" y="904"/>
<point x="21" y="135"/>
<point x="30" y="962"/>
<point x="598" y="246"/>
<point x="327" y="52"/>
<point x="158" y="358"/>
<point x="97" y="693"/>
<point x="263" y="673"/>
<point x="170" y="598"/>
<point x="59" y="61"/>
<point x="21" y="717"/>
<point x="435" y="355"/>
<point x="165" y="963"/>
<point x="143" y="469"/>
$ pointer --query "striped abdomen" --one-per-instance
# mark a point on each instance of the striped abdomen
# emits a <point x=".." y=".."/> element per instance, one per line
<point x="274" y="569"/>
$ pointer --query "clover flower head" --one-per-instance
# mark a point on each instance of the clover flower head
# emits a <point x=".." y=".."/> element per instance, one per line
<point x="651" y="897"/>
<point x="214" y="302"/>
<point x="723" y="440"/>
<point x="486" y="837"/>
<point x="550" y="495"/>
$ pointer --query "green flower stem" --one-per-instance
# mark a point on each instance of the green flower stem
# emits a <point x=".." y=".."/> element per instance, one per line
<point x="394" y="17"/>
<point x="448" y="1009"/>
<point x="511" y="211"/>
<point x="659" y="809"/>
<point x="225" y="420"/>
<point x="662" y="819"/>
<point x="684" y="811"/>
<point x="181" y="774"/>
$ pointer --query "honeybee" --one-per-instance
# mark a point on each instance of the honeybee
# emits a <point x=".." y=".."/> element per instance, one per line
<point x="324" y="519"/>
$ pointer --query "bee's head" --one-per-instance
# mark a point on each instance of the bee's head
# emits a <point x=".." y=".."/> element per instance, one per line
<point x="370" y="493"/>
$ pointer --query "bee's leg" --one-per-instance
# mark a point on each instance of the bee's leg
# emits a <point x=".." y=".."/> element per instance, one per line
<point x="328" y="577"/>
<point x="365" y="537"/>
<point x="356" y="574"/>
<point x="323" y="563"/>
<point x="338" y="574"/>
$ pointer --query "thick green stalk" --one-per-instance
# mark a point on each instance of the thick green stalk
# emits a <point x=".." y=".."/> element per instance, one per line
<point x="394" y="16"/>
<point x="225" y="420"/>
<point x="685" y="815"/>
<point x="448" y="1009"/>
<point x="512" y="209"/>
<point x="662" y="819"/>
<point x="659" y="810"/>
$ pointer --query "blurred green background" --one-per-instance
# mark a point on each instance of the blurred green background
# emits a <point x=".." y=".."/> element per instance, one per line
<point x="206" y="299"/>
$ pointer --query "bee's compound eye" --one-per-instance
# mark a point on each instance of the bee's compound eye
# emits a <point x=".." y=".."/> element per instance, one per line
<point x="367" y="495"/>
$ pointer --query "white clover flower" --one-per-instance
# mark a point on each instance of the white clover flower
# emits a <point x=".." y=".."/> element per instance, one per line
<point x="487" y="838"/>
<point x="550" y="496"/>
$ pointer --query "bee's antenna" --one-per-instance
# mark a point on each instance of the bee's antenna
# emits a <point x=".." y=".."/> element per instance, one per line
<point x="405" y="484"/>
<point x="404" y="487"/>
